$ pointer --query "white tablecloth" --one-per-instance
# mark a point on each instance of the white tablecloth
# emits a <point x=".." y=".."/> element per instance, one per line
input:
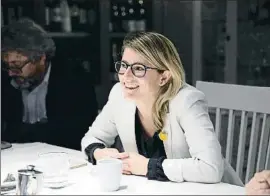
<point x="83" y="181"/>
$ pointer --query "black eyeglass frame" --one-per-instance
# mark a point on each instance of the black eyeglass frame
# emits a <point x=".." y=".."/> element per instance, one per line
<point x="15" y="69"/>
<point x="131" y="66"/>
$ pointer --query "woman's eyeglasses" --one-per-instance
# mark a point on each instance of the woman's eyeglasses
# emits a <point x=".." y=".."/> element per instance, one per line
<point x="138" y="70"/>
<point x="15" y="68"/>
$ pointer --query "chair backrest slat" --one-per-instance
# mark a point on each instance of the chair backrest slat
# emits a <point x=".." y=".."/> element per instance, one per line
<point x="263" y="142"/>
<point x="230" y="137"/>
<point x="252" y="147"/>
<point x="267" y="163"/>
<point x="217" y="124"/>
<point x="241" y="144"/>
<point x="247" y="145"/>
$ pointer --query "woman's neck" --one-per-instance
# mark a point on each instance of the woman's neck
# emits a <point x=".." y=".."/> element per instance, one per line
<point x="145" y="109"/>
<point x="146" y="117"/>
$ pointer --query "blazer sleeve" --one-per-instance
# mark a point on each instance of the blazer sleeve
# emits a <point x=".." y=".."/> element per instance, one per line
<point x="206" y="164"/>
<point x="103" y="129"/>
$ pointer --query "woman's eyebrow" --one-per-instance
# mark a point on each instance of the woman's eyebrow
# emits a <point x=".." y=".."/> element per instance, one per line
<point x="133" y="62"/>
<point x="125" y="61"/>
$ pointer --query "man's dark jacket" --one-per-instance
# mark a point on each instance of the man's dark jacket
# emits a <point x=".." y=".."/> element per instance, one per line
<point x="71" y="108"/>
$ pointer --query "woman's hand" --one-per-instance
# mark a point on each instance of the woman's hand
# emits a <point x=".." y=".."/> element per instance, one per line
<point x="108" y="153"/>
<point x="259" y="184"/>
<point x="135" y="163"/>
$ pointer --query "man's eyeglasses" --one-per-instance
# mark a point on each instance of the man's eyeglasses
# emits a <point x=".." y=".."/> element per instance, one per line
<point x="15" y="68"/>
<point x="138" y="70"/>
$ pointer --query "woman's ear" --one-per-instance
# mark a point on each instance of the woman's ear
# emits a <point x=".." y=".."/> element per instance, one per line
<point x="165" y="77"/>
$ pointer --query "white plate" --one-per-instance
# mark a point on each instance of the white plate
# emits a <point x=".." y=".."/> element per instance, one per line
<point x="8" y="184"/>
<point x="8" y="188"/>
<point x="5" y="145"/>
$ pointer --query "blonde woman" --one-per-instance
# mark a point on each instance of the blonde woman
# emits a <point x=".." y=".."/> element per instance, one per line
<point x="163" y="122"/>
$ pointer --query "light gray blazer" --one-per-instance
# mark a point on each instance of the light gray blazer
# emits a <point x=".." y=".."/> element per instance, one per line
<point x="192" y="148"/>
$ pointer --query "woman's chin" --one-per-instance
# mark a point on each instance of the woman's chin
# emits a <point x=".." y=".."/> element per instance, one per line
<point x="130" y="95"/>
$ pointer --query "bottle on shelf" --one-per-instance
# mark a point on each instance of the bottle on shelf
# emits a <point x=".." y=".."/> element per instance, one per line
<point x="114" y="25"/>
<point x="11" y="16"/>
<point x="65" y="15"/>
<point x="19" y="10"/>
<point x="56" y="19"/>
<point x="123" y="17"/>
<point x="91" y="15"/>
<point x="141" y="12"/>
<point x="48" y="17"/>
<point x="82" y="20"/>
<point x="131" y="20"/>
<point x="111" y="22"/>
<point x="15" y="10"/>
<point x="75" y="14"/>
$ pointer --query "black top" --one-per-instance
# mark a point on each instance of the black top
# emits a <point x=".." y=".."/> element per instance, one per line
<point x="71" y="108"/>
<point x="149" y="147"/>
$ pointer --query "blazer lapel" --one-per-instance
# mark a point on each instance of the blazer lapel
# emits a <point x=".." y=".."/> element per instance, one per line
<point x="168" y="143"/>
<point x="127" y="133"/>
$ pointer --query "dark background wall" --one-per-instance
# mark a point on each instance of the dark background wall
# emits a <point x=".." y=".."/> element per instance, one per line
<point x="99" y="26"/>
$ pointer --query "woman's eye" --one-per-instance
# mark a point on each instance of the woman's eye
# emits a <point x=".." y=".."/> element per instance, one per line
<point x="124" y="66"/>
<point x="138" y="68"/>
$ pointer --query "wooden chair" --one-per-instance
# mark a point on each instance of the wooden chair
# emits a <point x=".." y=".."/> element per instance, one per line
<point x="250" y="106"/>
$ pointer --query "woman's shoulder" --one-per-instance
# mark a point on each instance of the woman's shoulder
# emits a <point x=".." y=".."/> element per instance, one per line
<point x="187" y="96"/>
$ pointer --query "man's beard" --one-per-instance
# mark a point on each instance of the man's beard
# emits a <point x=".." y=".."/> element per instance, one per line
<point x="30" y="82"/>
<point x="23" y="83"/>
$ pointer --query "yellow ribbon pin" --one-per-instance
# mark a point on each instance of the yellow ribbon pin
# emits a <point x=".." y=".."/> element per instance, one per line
<point x="163" y="136"/>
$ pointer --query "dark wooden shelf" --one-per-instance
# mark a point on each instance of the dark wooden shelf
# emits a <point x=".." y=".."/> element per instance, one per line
<point x="117" y="35"/>
<point x="71" y="34"/>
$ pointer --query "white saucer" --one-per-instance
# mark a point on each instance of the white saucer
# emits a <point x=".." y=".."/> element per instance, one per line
<point x="5" y="145"/>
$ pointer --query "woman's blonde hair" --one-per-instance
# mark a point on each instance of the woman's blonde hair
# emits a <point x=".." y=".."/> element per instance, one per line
<point x="160" y="52"/>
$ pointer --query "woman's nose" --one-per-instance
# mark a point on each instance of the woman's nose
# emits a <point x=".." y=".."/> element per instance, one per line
<point x="128" y="72"/>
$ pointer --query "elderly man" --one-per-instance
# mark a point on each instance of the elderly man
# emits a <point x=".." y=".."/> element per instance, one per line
<point x="42" y="101"/>
<point x="259" y="184"/>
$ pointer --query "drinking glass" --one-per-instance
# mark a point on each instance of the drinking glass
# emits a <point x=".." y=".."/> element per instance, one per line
<point x="55" y="167"/>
